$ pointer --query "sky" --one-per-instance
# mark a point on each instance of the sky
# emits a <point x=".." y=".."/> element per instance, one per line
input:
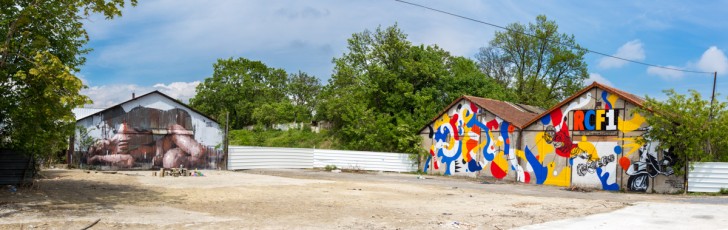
<point x="171" y="45"/>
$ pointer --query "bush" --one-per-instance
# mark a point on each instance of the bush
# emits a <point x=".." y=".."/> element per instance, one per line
<point x="330" y="167"/>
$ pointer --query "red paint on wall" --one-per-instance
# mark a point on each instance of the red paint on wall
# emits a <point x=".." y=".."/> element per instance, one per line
<point x="497" y="171"/>
<point x="624" y="162"/>
<point x="556" y="117"/>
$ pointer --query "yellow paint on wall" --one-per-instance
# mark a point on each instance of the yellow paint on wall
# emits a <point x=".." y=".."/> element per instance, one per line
<point x="631" y="144"/>
<point x="599" y="119"/>
<point x="521" y="154"/>
<point x="587" y="147"/>
<point x="612" y="99"/>
<point x="501" y="161"/>
<point x="633" y="124"/>
<point x="542" y="146"/>
<point x="563" y="178"/>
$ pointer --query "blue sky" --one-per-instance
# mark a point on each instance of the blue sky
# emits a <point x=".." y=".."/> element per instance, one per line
<point x="171" y="45"/>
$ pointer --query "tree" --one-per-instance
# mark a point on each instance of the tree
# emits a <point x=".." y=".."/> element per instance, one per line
<point x="240" y="86"/>
<point x="384" y="89"/>
<point x="41" y="47"/>
<point x="684" y="123"/>
<point x="541" y="65"/>
<point x="303" y="91"/>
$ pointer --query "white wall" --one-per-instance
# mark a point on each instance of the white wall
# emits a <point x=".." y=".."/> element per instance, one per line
<point x="207" y="132"/>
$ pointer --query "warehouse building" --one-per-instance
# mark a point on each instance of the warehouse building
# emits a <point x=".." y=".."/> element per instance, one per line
<point x="145" y="132"/>
<point x="591" y="139"/>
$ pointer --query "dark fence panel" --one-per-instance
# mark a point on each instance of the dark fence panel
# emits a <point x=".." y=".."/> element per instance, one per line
<point x="15" y="168"/>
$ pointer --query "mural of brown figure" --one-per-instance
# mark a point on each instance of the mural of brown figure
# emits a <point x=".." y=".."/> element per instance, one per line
<point x="176" y="148"/>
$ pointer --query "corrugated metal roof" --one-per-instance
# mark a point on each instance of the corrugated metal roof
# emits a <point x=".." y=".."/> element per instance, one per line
<point x="160" y="93"/>
<point x="81" y="113"/>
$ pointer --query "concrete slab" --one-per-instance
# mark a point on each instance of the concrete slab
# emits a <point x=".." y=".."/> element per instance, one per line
<point x="649" y="215"/>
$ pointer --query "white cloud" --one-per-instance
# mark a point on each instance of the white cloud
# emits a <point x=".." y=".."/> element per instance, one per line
<point x="631" y="50"/>
<point x="109" y="95"/>
<point x="182" y="91"/>
<point x="666" y="74"/>
<point x="595" y="77"/>
<point x="712" y="60"/>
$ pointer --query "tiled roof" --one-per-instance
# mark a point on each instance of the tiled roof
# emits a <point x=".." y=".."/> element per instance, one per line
<point x="631" y="98"/>
<point x="516" y="114"/>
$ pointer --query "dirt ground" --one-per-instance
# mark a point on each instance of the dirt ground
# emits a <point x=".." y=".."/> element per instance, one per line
<point x="297" y="199"/>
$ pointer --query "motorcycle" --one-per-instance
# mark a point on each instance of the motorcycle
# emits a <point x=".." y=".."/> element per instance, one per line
<point x="648" y="167"/>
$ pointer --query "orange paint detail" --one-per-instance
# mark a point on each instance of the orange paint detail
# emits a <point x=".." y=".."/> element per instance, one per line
<point x="624" y="162"/>
<point x="508" y="141"/>
<point x="579" y="120"/>
<point x="471" y="144"/>
<point x="476" y="130"/>
<point x="510" y="129"/>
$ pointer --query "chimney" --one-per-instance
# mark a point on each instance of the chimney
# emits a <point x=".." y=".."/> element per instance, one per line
<point x="132" y="95"/>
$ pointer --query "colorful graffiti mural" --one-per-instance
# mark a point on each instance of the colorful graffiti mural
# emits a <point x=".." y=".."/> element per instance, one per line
<point x="149" y="138"/>
<point x="466" y="142"/>
<point x="583" y="143"/>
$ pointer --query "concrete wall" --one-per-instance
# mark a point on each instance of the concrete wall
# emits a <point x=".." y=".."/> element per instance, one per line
<point x="590" y="141"/>
<point x="468" y="140"/>
<point x="149" y="132"/>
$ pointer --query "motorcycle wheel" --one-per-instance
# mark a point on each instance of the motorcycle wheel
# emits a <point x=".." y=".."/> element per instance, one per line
<point x="638" y="183"/>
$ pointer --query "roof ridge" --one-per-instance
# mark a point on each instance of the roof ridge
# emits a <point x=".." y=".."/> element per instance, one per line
<point x="517" y="107"/>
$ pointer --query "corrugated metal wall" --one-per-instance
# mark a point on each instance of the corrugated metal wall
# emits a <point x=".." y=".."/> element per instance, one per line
<point x="708" y="177"/>
<point x="378" y="161"/>
<point x="15" y="168"/>
<point x="244" y="157"/>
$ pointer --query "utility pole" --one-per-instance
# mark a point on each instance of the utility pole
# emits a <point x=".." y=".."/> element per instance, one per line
<point x="712" y="96"/>
<point x="710" y="116"/>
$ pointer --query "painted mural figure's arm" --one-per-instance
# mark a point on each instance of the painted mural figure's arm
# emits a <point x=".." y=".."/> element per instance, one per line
<point x="189" y="152"/>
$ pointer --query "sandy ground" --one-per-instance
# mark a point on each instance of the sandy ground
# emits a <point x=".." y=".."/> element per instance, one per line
<point x="297" y="199"/>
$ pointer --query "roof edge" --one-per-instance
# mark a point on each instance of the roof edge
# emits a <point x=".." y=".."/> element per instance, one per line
<point x="147" y="94"/>
<point x="582" y="91"/>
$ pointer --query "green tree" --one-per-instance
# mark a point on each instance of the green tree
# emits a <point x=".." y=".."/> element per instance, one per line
<point x="384" y="89"/>
<point x="274" y="113"/>
<point x="41" y="47"/>
<point x="240" y="86"/>
<point x="303" y="90"/>
<point x="684" y="123"/>
<point x="542" y="69"/>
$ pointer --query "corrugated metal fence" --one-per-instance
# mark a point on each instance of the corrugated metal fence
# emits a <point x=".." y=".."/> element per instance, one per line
<point x="708" y="177"/>
<point x="244" y="157"/>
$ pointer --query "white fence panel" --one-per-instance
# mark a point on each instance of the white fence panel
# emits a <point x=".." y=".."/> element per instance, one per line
<point x="708" y="177"/>
<point x="377" y="161"/>
<point x="243" y="157"/>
